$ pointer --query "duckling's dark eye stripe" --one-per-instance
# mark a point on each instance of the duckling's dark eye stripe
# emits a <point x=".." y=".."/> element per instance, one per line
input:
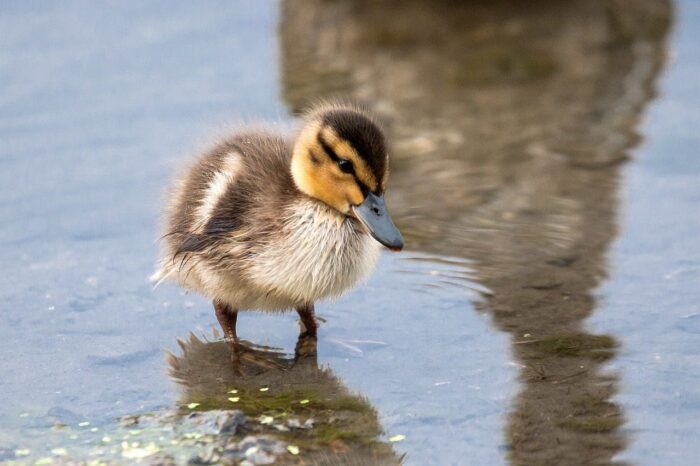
<point x="331" y="153"/>
<point x="327" y="148"/>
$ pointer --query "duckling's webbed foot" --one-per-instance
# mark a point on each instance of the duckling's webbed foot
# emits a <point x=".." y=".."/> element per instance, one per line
<point x="306" y="314"/>
<point x="227" y="317"/>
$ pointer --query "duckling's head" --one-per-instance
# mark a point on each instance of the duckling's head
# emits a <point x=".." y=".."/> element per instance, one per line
<point x="340" y="158"/>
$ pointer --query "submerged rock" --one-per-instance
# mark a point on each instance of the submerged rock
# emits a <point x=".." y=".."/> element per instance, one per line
<point x="214" y="422"/>
<point x="229" y="421"/>
<point x="257" y="450"/>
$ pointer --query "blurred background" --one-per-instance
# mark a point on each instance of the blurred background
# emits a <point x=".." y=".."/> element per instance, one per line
<point x="544" y="173"/>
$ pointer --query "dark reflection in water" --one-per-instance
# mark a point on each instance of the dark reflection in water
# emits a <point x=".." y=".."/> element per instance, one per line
<point x="509" y="122"/>
<point x="305" y="405"/>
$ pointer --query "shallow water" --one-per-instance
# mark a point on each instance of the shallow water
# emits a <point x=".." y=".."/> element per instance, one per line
<point x="544" y="176"/>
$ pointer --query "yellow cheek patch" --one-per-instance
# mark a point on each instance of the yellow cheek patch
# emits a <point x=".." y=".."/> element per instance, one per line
<point x="355" y="194"/>
<point x="337" y="189"/>
<point x="316" y="174"/>
<point x="344" y="150"/>
<point x="320" y="179"/>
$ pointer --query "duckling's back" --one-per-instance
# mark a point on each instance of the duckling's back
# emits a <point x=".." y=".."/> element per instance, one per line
<point x="218" y="192"/>
<point x="225" y="192"/>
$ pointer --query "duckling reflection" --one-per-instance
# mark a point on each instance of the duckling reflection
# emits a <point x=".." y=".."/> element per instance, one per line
<point x="518" y="114"/>
<point x="291" y="398"/>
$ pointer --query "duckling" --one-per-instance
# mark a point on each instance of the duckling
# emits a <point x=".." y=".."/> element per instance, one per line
<point x="264" y="222"/>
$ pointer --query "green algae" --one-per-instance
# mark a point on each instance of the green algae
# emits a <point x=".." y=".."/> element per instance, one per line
<point x="568" y="345"/>
<point x="290" y="402"/>
<point x="592" y="424"/>
<point x="301" y="403"/>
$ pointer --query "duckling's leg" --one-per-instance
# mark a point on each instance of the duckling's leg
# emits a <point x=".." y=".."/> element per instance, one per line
<point x="227" y="317"/>
<point x="306" y="314"/>
<point x="306" y="345"/>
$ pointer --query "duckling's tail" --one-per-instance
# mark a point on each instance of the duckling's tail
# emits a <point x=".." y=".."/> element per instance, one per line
<point x="160" y="275"/>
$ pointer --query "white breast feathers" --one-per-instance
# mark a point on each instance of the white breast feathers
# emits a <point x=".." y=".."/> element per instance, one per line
<point x="318" y="254"/>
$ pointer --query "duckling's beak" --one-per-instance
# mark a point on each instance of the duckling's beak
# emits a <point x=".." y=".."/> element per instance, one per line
<point x="373" y="214"/>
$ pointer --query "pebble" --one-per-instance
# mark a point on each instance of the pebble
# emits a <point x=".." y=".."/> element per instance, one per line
<point x="228" y="422"/>
<point x="256" y="450"/>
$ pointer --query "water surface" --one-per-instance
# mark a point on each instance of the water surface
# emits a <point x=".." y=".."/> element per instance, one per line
<point x="543" y="175"/>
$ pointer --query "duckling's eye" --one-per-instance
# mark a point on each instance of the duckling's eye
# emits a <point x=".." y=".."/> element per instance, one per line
<point x="345" y="165"/>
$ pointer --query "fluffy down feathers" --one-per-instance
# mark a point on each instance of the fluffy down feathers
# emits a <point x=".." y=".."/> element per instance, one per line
<point x="239" y="231"/>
